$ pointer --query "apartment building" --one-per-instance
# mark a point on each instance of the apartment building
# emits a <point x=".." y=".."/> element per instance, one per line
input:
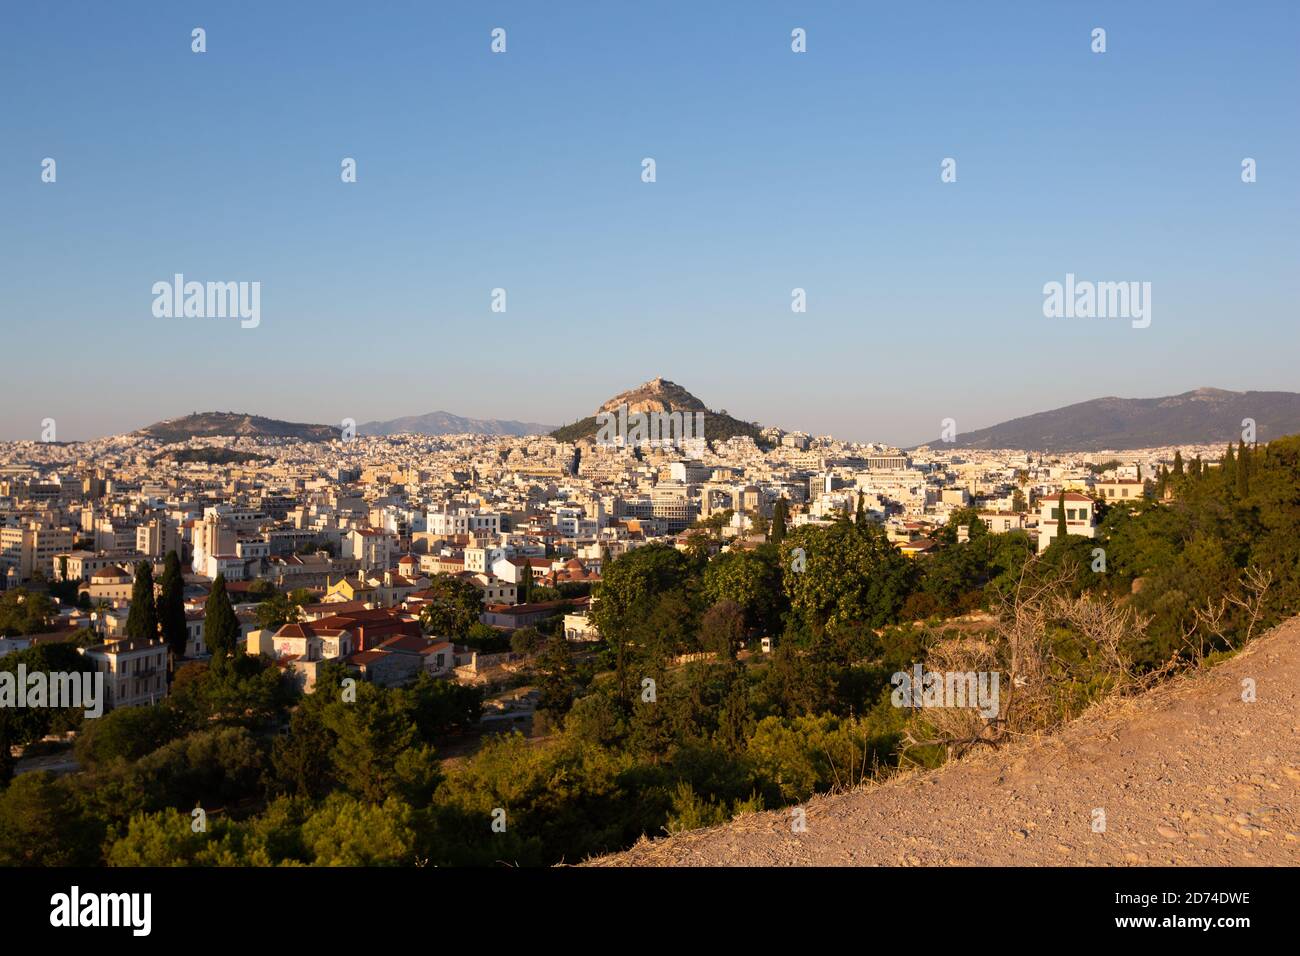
<point x="135" y="672"/>
<point x="155" y="537"/>
<point x="31" y="547"/>
<point x="373" y="548"/>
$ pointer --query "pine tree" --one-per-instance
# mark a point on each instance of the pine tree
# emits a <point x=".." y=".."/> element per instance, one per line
<point x="142" y="621"/>
<point x="779" y="513"/>
<point x="171" y="606"/>
<point x="220" y="626"/>
<point x="1062" y="529"/>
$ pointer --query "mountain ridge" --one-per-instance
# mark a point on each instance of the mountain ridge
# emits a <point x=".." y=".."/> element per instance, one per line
<point x="1197" y="417"/>
<point x="240" y="424"/>
<point x="446" y="423"/>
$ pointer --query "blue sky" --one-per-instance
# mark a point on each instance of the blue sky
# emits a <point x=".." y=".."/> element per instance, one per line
<point x="775" y="170"/>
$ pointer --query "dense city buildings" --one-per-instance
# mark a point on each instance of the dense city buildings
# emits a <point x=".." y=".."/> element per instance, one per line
<point x="366" y="528"/>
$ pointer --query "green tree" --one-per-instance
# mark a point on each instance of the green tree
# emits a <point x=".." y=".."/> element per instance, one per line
<point x="220" y="626"/>
<point x="630" y="588"/>
<point x="722" y="629"/>
<point x="780" y="518"/>
<point x="441" y="707"/>
<point x="171" y="606"/>
<point x="278" y="610"/>
<point x="127" y="733"/>
<point x="373" y="733"/>
<point x="211" y="767"/>
<point x="142" y="619"/>
<point x="454" y="607"/>
<point x="300" y="759"/>
<point x="752" y="579"/>
<point x="345" y="831"/>
<point x="1062" y="528"/>
<point x="851" y="574"/>
<point x="1243" y="471"/>
<point x="26" y="725"/>
<point x="556" y="683"/>
<point x="25" y="612"/>
<point x="1018" y="503"/>
<point x="526" y="640"/>
<point x="42" y="824"/>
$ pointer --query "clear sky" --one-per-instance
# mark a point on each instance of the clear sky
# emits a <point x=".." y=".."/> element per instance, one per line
<point x="522" y="170"/>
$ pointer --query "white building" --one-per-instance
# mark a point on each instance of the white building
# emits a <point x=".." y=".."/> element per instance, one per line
<point x="1080" y="518"/>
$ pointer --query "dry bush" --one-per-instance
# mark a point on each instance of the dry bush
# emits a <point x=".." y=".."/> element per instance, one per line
<point x="1039" y="686"/>
<point x="1213" y="623"/>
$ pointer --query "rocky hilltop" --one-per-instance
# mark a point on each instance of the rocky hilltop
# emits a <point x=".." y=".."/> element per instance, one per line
<point x="660" y="395"/>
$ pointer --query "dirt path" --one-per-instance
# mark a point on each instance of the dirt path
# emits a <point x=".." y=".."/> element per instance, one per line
<point x="1187" y="774"/>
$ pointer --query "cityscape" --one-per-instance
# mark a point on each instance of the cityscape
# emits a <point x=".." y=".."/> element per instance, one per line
<point x="587" y="439"/>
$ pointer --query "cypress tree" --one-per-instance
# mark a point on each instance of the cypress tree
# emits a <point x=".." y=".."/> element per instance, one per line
<point x="142" y="620"/>
<point x="1178" y="462"/>
<point x="861" y="517"/>
<point x="1229" y="468"/>
<point x="1243" y="471"/>
<point x="1062" y="529"/>
<point x="777" y="532"/>
<point x="220" y="626"/>
<point x="525" y="585"/>
<point x="171" y="605"/>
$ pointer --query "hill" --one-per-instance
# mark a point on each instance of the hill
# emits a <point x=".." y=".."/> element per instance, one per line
<point x="1187" y="774"/>
<point x="660" y="395"/>
<point x="445" y="423"/>
<point x="209" y="456"/>
<point x="236" y="424"/>
<point x="1203" y="416"/>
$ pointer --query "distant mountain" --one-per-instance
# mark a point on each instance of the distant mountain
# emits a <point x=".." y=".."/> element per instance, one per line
<point x="1203" y="416"/>
<point x="445" y="423"/>
<point x="238" y="424"/>
<point x="660" y="395"/>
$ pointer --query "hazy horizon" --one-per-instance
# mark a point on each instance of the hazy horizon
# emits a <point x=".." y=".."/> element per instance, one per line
<point x="733" y="411"/>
